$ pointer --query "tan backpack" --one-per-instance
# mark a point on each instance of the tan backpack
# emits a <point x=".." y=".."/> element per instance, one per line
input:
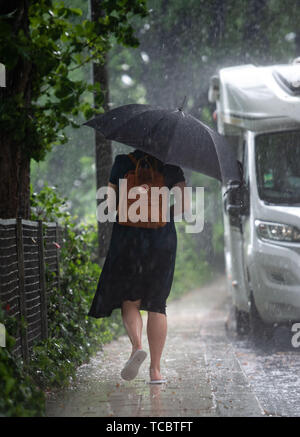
<point x="143" y="179"/>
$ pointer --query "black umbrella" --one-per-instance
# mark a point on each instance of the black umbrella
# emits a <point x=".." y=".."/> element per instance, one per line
<point x="172" y="136"/>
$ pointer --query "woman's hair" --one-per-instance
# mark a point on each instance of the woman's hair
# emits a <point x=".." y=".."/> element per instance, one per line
<point x="152" y="159"/>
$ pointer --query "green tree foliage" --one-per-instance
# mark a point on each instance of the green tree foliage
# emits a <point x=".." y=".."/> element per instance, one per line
<point x="43" y="43"/>
<point x="182" y="43"/>
<point x="20" y="397"/>
<point x="56" y="47"/>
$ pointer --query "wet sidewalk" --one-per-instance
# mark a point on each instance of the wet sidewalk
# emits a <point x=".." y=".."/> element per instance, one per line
<point x="203" y="372"/>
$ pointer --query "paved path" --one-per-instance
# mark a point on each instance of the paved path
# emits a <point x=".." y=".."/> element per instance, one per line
<point x="204" y="374"/>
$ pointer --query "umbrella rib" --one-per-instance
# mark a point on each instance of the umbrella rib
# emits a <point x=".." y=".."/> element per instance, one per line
<point x="173" y="133"/>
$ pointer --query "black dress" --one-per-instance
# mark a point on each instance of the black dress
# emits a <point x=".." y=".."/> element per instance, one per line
<point x="140" y="262"/>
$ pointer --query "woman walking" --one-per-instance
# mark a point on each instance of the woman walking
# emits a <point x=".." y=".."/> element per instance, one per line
<point x="138" y="271"/>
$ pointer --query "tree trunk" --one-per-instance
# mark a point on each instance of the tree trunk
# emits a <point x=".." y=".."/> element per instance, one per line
<point x="14" y="180"/>
<point x="14" y="162"/>
<point x="103" y="146"/>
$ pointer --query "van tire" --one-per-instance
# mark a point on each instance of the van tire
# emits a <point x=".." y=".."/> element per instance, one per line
<point x="259" y="330"/>
<point x="242" y="321"/>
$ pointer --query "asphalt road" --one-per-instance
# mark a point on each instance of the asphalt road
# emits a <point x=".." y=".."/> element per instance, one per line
<point x="210" y="372"/>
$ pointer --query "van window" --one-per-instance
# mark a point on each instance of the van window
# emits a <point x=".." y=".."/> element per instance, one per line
<point x="278" y="167"/>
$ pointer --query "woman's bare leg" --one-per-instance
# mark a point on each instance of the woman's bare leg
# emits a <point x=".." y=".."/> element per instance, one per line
<point x="157" y="332"/>
<point x="133" y="323"/>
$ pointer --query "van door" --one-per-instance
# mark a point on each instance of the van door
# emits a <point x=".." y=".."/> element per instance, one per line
<point x="235" y="242"/>
<point x="245" y="218"/>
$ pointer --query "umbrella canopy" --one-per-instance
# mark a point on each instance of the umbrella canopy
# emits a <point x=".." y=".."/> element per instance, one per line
<point x="172" y="136"/>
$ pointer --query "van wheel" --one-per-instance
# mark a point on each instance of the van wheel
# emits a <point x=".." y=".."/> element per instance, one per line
<point x="242" y="322"/>
<point x="259" y="330"/>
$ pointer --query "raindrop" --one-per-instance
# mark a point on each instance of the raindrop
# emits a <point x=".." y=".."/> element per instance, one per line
<point x="127" y="80"/>
<point x="290" y="37"/>
<point x="145" y="57"/>
<point x="77" y="183"/>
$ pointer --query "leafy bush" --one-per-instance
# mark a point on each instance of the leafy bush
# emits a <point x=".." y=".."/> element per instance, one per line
<point x="19" y="394"/>
<point x="48" y="205"/>
<point x="73" y="336"/>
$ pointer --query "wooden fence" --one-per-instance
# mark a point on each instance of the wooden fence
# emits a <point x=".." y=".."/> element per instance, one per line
<point x="29" y="254"/>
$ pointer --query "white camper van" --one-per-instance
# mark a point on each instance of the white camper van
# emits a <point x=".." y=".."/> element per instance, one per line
<point x="258" y="111"/>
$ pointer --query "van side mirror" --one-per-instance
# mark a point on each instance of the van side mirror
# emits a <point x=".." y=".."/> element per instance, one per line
<point x="236" y="201"/>
<point x="245" y="200"/>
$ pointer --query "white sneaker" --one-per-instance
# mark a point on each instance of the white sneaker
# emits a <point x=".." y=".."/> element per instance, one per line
<point x="132" y="366"/>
